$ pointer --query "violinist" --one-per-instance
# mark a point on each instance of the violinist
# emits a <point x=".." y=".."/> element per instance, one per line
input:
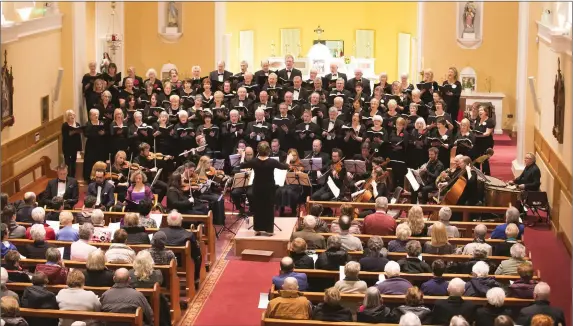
<point x="337" y="172"/>
<point x="209" y="131"/>
<point x="418" y="144"/>
<point x="118" y="132"/>
<point x="206" y="170"/>
<point x="231" y="133"/>
<point x="465" y="140"/>
<point x="96" y="146"/>
<point x="147" y="165"/>
<point x="289" y="195"/>
<point x="102" y="190"/>
<point x="353" y="136"/>
<point x="177" y="199"/>
<point x="187" y="95"/>
<point x="428" y="173"/>
<point x="237" y="194"/>
<point x="119" y="172"/>
<point x="138" y="132"/>
<point x="398" y="141"/>
<point x="367" y="116"/>
<point x="469" y="195"/>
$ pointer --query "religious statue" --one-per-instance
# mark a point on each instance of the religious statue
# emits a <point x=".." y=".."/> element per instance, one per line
<point x="559" y="105"/>
<point x="172" y="15"/>
<point x="470" y="11"/>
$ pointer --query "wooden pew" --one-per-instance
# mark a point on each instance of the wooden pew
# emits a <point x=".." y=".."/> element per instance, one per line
<point x="135" y="319"/>
<point x="151" y="294"/>
<point x="16" y="186"/>
<point x="455" y="241"/>
<point x="292" y="322"/>
<point x="429" y="258"/>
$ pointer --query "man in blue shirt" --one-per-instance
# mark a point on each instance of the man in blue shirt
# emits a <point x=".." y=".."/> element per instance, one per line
<point x="67" y="231"/>
<point x="287" y="270"/>
<point x="511" y="216"/>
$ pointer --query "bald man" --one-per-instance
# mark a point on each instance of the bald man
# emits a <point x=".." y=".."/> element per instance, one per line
<point x="287" y="270"/>
<point x="219" y="75"/>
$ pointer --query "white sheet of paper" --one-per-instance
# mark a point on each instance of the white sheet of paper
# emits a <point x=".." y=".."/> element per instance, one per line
<point x="335" y="190"/>
<point x="251" y="177"/>
<point x="276" y="158"/>
<point x="150" y="236"/>
<point x="54" y="225"/>
<point x="61" y="250"/>
<point x="76" y="226"/>
<point x="158" y="219"/>
<point x="381" y="278"/>
<point x="112" y="227"/>
<point x="413" y="183"/>
<point x="342" y="273"/>
<point x="280" y="177"/>
<point x="263" y="300"/>
<point x="420" y="257"/>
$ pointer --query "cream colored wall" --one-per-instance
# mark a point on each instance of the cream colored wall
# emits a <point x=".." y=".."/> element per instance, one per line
<point x="66" y="101"/>
<point x="340" y="20"/>
<point x="50" y="150"/>
<point x="496" y="58"/>
<point x="90" y="31"/>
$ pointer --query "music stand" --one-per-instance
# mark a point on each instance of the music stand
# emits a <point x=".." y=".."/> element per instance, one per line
<point x="156" y="177"/>
<point x="234" y="160"/>
<point x="298" y="179"/>
<point x="355" y="166"/>
<point x="240" y="180"/>
<point x="312" y="164"/>
<point x="218" y="164"/>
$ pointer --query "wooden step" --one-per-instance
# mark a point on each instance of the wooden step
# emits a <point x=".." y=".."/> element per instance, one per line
<point x="256" y="255"/>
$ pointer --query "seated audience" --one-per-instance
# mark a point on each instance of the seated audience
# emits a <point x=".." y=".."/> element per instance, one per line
<point x="4" y="292"/>
<point x="480" y="231"/>
<point x="135" y="233"/>
<point x="313" y="239"/>
<point x="119" y="252"/>
<point x="416" y="222"/>
<point x="81" y="249"/>
<point x="334" y="256"/>
<point x="96" y="273"/>
<point x="480" y="283"/>
<point x="437" y="285"/>
<point x="89" y="207"/>
<point x="409" y="319"/>
<point x="38" y="214"/>
<point x="373" y="310"/>
<point x="445" y="309"/>
<point x="413" y="263"/>
<point x="321" y="225"/>
<point x="37" y="250"/>
<point x="373" y="259"/>
<point x="403" y="234"/>
<point x="486" y="315"/>
<point x="122" y="298"/>
<point x="54" y="267"/>
<point x="503" y="249"/>
<point x="479" y="254"/>
<point x="542" y="320"/>
<point x="38" y="297"/>
<point x="414" y="304"/>
<point x="67" y="231"/>
<point x="503" y="320"/>
<point x="144" y="210"/>
<point x="57" y="204"/>
<point x="299" y="256"/>
<point x="439" y="244"/>
<point x="24" y="212"/>
<point x="287" y="270"/>
<point x="6" y="244"/>
<point x="511" y="217"/>
<point x="291" y="304"/>
<point x="331" y="309"/>
<point x="393" y="284"/>
<point x="444" y="215"/>
<point x="74" y="297"/>
<point x="12" y="266"/>
<point x="351" y="282"/>
<point x="9" y="218"/>
<point x="379" y="222"/>
<point x="160" y="255"/>
<point x="523" y="288"/>
<point x="459" y="321"/>
<point x="355" y="225"/>
<point x="509" y="266"/>
<point x="541" y="305"/>
<point x="11" y="312"/>
<point x="349" y="241"/>
<point x="101" y="233"/>
<point x="142" y="275"/>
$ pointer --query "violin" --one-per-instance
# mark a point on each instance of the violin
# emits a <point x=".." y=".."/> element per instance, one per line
<point x="216" y="175"/>
<point x="112" y="176"/>
<point x="135" y="167"/>
<point x="158" y="156"/>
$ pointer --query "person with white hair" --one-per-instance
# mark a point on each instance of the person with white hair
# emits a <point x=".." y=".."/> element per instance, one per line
<point x="358" y="79"/>
<point x="444" y="215"/>
<point x="487" y="314"/>
<point x="151" y="76"/>
<point x="530" y="178"/>
<point x="504" y="248"/>
<point x="480" y="232"/>
<point x="291" y="304"/>
<point x="287" y="270"/>
<point x="394" y="284"/>
<point x="481" y="282"/>
<point x="258" y="130"/>
<point x="306" y="132"/>
<point x="409" y="319"/>
<point x="67" y="232"/>
<point x="459" y="321"/>
<point x="445" y="309"/>
<point x="338" y="91"/>
<point x="509" y="266"/>
<point x="219" y="75"/>
<point x="373" y="309"/>
<point x="37" y="249"/>
<point x="38" y="215"/>
<point x="380" y="223"/>
<point x="80" y="249"/>
<point x="334" y="256"/>
<point x="511" y="216"/>
<point x="541" y="295"/>
<point x="4" y="292"/>
<point x="403" y="234"/>
<point x="351" y="282"/>
<point x="334" y="75"/>
<point x="313" y="240"/>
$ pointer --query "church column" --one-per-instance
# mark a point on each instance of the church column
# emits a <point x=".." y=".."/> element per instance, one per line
<point x="420" y="37"/>
<point x="521" y="87"/>
<point x="80" y="64"/>
<point x="220" y="26"/>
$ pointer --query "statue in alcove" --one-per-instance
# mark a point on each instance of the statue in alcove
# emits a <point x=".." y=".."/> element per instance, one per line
<point x="470" y="12"/>
<point x="172" y="14"/>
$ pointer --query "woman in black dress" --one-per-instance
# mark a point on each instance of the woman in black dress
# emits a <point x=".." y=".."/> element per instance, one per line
<point x="484" y="136"/>
<point x="441" y="138"/>
<point x="118" y="133"/>
<point x="353" y="136"/>
<point x="452" y="97"/>
<point x="418" y="145"/>
<point x="96" y="149"/>
<point x="426" y="95"/>
<point x="398" y="142"/>
<point x="465" y="140"/>
<point x="71" y="141"/>
<point x="264" y="188"/>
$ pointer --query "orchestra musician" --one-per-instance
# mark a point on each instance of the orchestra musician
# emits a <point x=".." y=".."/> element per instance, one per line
<point x="119" y="174"/>
<point x="177" y="199"/>
<point x="317" y="152"/>
<point x="63" y="186"/>
<point x="71" y="141"/>
<point x="334" y="170"/>
<point x="138" y="190"/>
<point x="530" y="178"/>
<point x="289" y="195"/>
<point x="463" y="169"/>
<point x="428" y="173"/>
<point x="96" y="144"/>
<point x="146" y="162"/>
<point x="276" y="150"/>
<point x="206" y="171"/>
<point x="102" y="190"/>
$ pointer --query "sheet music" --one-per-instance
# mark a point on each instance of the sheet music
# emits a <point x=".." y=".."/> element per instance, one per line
<point x="61" y="250"/>
<point x="158" y="218"/>
<point x="251" y="178"/>
<point x="54" y="225"/>
<point x="280" y="177"/>
<point x="413" y="183"/>
<point x="112" y="227"/>
<point x="335" y="190"/>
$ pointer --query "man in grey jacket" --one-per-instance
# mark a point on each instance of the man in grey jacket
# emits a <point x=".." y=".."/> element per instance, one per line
<point x="121" y="298"/>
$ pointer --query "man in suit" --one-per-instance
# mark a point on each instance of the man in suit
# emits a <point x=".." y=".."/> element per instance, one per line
<point x="530" y="178"/>
<point x="379" y="222"/>
<point x="541" y="306"/>
<point x="276" y="150"/>
<point x="218" y="76"/>
<point x="454" y="305"/>
<point x="339" y="91"/>
<point x="102" y="190"/>
<point x="272" y="88"/>
<point x="331" y="129"/>
<point x="64" y="186"/>
<point x="267" y="105"/>
<point x="325" y="193"/>
<point x="330" y="79"/>
<point x="299" y="94"/>
<point x="137" y="81"/>
<point x="258" y="130"/>
<point x="243" y="104"/>
<point x="314" y="154"/>
<point x="306" y="132"/>
<point x="283" y="125"/>
<point x="262" y="75"/>
<point x="24" y="212"/>
<point x="351" y="84"/>
<point x="287" y="74"/>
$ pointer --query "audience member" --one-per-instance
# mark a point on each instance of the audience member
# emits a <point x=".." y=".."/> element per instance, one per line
<point x="437" y="285"/>
<point x="509" y="266"/>
<point x="334" y="256"/>
<point x="4" y="292"/>
<point x="24" y="212"/>
<point x="523" y="288"/>
<point x="393" y="284"/>
<point x="486" y="315"/>
<point x="416" y="222"/>
<point x="503" y="249"/>
<point x="313" y="239"/>
<point x="511" y="217"/>
<point x="12" y="265"/>
<point x="351" y="282"/>
<point x="54" y="267"/>
<point x="299" y="256"/>
<point x="439" y="244"/>
<point x="81" y="249"/>
<point x="291" y="304"/>
<point x="373" y="259"/>
<point x="11" y="312"/>
<point x="321" y="225"/>
<point x="160" y="255"/>
<point x="119" y="252"/>
<point x="542" y="320"/>
<point x="142" y="275"/>
<point x="38" y="297"/>
<point x="57" y="205"/>
<point x="135" y="232"/>
<point x="349" y="241"/>
<point x="380" y="223"/>
<point x="445" y="309"/>
<point x="96" y="273"/>
<point x="37" y="250"/>
<point x="144" y="210"/>
<point x="480" y="283"/>
<point x="38" y="214"/>
<point x="6" y="245"/>
<point x="331" y="309"/>
<point x="413" y="262"/>
<point x="287" y="270"/>
<point x="459" y="321"/>
<point x="85" y="215"/>
<point x="74" y="297"/>
<point x="403" y="234"/>
<point x="503" y="320"/>
<point x="409" y="319"/>
<point x="9" y="218"/>
<point x="414" y="304"/>
<point x="541" y="305"/>
<point x="480" y="231"/>
<point x="122" y="298"/>
<point x="479" y="254"/>
<point x="354" y="225"/>
<point x="101" y="233"/>
<point x="373" y="310"/>
<point x="445" y="214"/>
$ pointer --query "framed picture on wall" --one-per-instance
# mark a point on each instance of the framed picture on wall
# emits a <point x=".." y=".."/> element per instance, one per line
<point x="7" y="81"/>
<point x="45" y="105"/>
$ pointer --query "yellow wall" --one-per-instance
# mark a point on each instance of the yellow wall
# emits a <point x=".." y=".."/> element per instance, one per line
<point x="495" y="58"/>
<point x="340" y="20"/>
<point x="66" y="94"/>
<point x="144" y="49"/>
<point x="90" y="31"/>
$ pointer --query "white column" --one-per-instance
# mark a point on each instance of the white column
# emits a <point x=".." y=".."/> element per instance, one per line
<point x="220" y="26"/>
<point x="80" y="64"/>
<point x="517" y="165"/>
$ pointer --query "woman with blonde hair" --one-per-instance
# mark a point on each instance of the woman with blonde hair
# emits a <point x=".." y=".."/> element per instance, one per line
<point x="11" y="312"/>
<point x="403" y="234"/>
<point x="465" y="140"/>
<point x="135" y="232"/>
<point x="71" y="141"/>
<point x="142" y="275"/>
<point x="99" y="165"/>
<point x="204" y="170"/>
<point x="416" y="221"/>
<point x="290" y="194"/>
<point x="120" y="167"/>
<point x="96" y="273"/>
<point x="439" y="244"/>
<point x="452" y="93"/>
<point x="138" y="189"/>
<point x="332" y="309"/>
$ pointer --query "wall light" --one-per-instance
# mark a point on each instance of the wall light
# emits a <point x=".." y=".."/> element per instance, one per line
<point x="24" y="9"/>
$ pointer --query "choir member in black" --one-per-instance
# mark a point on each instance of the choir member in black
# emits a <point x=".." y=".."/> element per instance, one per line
<point x="332" y="130"/>
<point x="429" y="172"/>
<point x="201" y="150"/>
<point x="163" y="133"/>
<point x="352" y="136"/>
<point x="351" y="84"/>
<point x="276" y="150"/>
<point x="309" y="83"/>
<point x="385" y="87"/>
<point x="196" y="111"/>
<point x="183" y="203"/>
<point x="397" y="96"/>
<point x="274" y="90"/>
<point x="93" y="95"/>
<point x="306" y="132"/>
<point x="314" y="154"/>
<point x="144" y="98"/>
<point x="436" y="97"/>
<point x="258" y="130"/>
<point x="126" y="91"/>
<point x="88" y="83"/>
<point x="390" y="116"/>
<point x="469" y="195"/>
<point x="484" y="136"/>
<point x="264" y="72"/>
<point x="96" y="144"/>
<point x="173" y="109"/>
<point x="473" y="115"/>
<point x="426" y="94"/>
<point x="366" y="116"/>
<point x="71" y="141"/>
<point x="137" y="81"/>
<point x="465" y="140"/>
<point x="231" y="133"/>
<point x="289" y="72"/>
<point x="164" y="97"/>
<point x="355" y="109"/>
<point x="220" y="75"/>
<point x="243" y="104"/>
<point x="317" y="108"/>
<point x="155" y="83"/>
<point x="216" y="202"/>
<point x="174" y="80"/>
<point x="423" y="110"/>
<point x="411" y="117"/>
<point x="440" y="113"/>
<point x="451" y="93"/>
<point x="360" y="93"/>
<point x="441" y="138"/>
<point x="187" y="94"/>
<point x="405" y="86"/>
<point x="196" y="79"/>
<point x="152" y="110"/>
<point x="289" y="195"/>
<point x="237" y="194"/>
<point x="339" y="91"/>
<point x="228" y="93"/>
<point x="299" y="94"/>
<point x="120" y="172"/>
<point x="112" y="77"/>
<point x="148" y="166"/>
<point x="218" y="109"/>
<point x="418" y="145"/>
<point x="398" y="142"/>
<point x="105" y="108"/>
<point x="318" y="88"/>
<point x="210" y="131"/>
<point x="264" y="188"/>
<point x="337" y="172"/>
<point x="269" y="107"/>
<point x="333" y="76"/>
<point x="184" y="135"/>
<point x="378" y="137"/>
<point x="130" y="109"/>
<point x="119" y="134"/>
<point x="138" y="132"/>
<point x="250" y="85"/>
<point x="283" y="127"/>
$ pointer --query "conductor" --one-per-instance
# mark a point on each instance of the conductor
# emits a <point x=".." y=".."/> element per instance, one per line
<point x="264" y="188"/>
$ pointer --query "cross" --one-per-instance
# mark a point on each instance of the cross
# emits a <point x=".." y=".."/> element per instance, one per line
<point x="319" y="31"/>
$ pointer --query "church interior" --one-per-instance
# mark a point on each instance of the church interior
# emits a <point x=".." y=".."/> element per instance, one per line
<point x="515" y="56"/>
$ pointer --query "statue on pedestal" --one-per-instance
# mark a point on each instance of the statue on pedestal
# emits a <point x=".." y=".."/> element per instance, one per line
<point x="172" y="15"/>
<point x="470" y="11"/>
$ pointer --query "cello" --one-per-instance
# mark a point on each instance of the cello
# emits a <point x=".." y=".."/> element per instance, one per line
<point x="452" y="195"/>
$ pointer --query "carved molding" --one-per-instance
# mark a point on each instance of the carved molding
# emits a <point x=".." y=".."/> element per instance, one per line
<point x="31" y="27"/>
<point x="555" y="37"/>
